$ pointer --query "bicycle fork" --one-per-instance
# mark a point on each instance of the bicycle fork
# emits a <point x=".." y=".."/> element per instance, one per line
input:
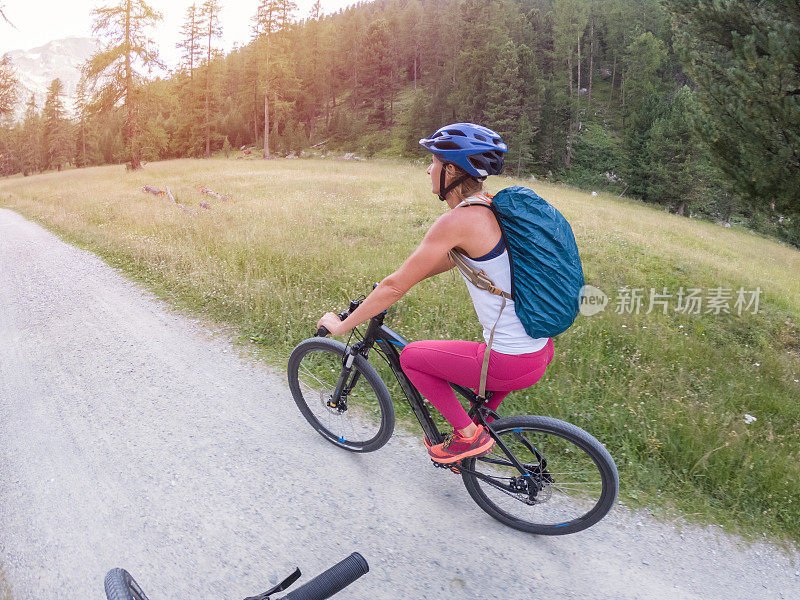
<point x="345" y="385"/>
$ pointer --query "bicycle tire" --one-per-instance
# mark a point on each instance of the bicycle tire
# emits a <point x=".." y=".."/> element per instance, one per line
<point x="565" y="438"/>
<point x="119" y="585"/>
<point x="376" y="397"/>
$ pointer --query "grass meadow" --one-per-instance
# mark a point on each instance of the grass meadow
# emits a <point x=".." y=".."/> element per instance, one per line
<point x="667" y="393"/>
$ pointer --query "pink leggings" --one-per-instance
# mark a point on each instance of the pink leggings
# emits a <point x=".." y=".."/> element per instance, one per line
<point x="431" y="364"/>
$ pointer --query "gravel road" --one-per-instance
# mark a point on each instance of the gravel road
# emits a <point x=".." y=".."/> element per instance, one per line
<point x="133" y="436"/>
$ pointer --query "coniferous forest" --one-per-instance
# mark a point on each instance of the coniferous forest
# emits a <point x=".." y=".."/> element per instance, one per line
<point x="692" y="105"/>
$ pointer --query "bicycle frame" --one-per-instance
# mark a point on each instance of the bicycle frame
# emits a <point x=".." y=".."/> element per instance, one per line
<point x="388" y="342"/>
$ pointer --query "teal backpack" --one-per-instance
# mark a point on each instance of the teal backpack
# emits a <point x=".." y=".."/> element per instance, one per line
<point x="546" y="272"/>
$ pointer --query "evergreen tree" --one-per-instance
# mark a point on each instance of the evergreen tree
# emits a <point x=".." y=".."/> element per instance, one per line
<point x="376" y="70"/>
<point x="58" y="143"/>
<point x="188" y="126"/>
<point x="210" y="29"/>
<point x="81" y="129"/>
<point x="672" y="157"/>
<point x="265" y="24"/>
<point x="744" y="58"/>
<point x="504" y="106"/>
<point x="31" y="154"/>
<point x="114" y="66"/>
<point x="643" y="89"/>
<point x="8" y="87"/>
<point x="191" y="43"/>
<point x="570" y="18"/>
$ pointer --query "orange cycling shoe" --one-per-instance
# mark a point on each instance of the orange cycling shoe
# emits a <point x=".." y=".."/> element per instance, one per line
<point x="456" y="447"/>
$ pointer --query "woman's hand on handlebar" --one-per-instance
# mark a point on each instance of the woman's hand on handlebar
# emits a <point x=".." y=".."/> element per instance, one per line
<point x="331" y="322"/>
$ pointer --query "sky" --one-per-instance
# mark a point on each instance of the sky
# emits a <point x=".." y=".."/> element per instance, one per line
<point x="40" y="21"/>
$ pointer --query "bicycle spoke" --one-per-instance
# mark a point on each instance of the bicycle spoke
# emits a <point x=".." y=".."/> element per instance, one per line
<point x="352" y="420"/>
<point x="561" y="485"/>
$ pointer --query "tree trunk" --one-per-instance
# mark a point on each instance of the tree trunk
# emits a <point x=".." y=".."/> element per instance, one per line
<point x="613" y="77"/>
<point x="133" y="152"/>
<point x="681" y="206"/>
<point x="208" y="76"/>
<point x="568" y="155"/>
<point x="83" y="145"/>
<point x="579" y="72"/>
<point x="266" y="99"/>
<point x="591" y="64"/>
<point x="266" y="122"/>
<point x="569" y="66"/>
<point x="256" y="100"/>
<point x="415" y="71"/>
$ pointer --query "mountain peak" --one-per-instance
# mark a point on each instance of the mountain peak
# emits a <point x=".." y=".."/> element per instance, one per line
<point x="57" y="59"/>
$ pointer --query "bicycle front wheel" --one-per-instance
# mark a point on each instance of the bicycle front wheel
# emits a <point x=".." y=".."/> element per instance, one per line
<point x="119" y="585"/>
<point x="571" y="481"/>
<point x="362" y="418"/>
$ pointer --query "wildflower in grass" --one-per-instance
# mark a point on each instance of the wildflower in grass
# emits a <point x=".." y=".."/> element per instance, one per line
<point x="748" y="418"/>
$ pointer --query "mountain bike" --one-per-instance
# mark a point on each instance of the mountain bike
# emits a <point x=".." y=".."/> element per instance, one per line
<point x="543" y="476"/>
<point x="119" y="584"/>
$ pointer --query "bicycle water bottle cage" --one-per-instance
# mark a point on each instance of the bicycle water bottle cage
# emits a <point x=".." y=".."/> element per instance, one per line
<point x="278" y="588"/>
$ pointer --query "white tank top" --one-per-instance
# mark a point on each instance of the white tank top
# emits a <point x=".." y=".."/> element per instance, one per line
<point x="509" y="335"/>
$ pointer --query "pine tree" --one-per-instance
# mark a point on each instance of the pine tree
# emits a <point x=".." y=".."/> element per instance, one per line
<point x="316" y="11"/>
<point x="671" y="156"/>
<point x="643" y="91"/>
<point x="31" y="155"/>
<point x="8" y="87"/>
<point x="504" y="106"/>
<point x="265" y="23"/>
<point x="209" y="20"/>
<point x="81" y="130"/>
<point x="191" y="42"/>
<point x="744" y="58"/>
<point x="124" y="26"/>
<point x="569" y="22"/>
<point x="56" y="128"/>
<point x="286" y="9"/>
<point x="272" y="16"/>
<point x="377" y="70"/>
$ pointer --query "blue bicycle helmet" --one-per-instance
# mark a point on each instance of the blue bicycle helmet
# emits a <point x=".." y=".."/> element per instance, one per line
<point x="476" y="149"/>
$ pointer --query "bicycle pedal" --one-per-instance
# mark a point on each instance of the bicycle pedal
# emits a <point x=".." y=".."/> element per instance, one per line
<point x="452" y="467"/>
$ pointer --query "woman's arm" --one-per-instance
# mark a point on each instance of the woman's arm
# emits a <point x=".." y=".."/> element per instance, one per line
<point x="427" y="260"/>
<point x="445" y="265"/>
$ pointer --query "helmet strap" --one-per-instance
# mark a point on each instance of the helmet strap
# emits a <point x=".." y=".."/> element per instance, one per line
<point x="444" y="190"/>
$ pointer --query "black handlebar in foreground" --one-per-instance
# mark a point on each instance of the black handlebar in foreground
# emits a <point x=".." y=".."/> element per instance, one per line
<point x="332" y="581"/>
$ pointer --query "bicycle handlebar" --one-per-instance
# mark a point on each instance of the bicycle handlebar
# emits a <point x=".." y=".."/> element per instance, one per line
<point x="323" y="331"/>
<point x="332" y="581"/>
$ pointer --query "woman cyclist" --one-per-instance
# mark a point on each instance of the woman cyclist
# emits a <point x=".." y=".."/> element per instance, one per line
<point x="464" y="154"/>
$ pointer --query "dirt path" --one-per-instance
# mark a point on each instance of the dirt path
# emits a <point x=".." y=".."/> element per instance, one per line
<point x="130" y="436"/>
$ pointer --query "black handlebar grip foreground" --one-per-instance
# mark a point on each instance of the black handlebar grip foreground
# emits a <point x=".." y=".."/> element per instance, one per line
<point x="322" y="332"/>
<point x="332" y="581"/>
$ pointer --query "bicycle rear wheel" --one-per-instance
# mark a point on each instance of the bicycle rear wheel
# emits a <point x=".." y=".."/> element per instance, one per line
<point x="362" y="420"/>
<point x="572" y="481"/>
<point x="119" y="585"/>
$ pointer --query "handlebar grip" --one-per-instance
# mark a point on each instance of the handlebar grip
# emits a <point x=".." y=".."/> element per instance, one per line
<point x="332" y="581"/>
<point x="322" y="332"/>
